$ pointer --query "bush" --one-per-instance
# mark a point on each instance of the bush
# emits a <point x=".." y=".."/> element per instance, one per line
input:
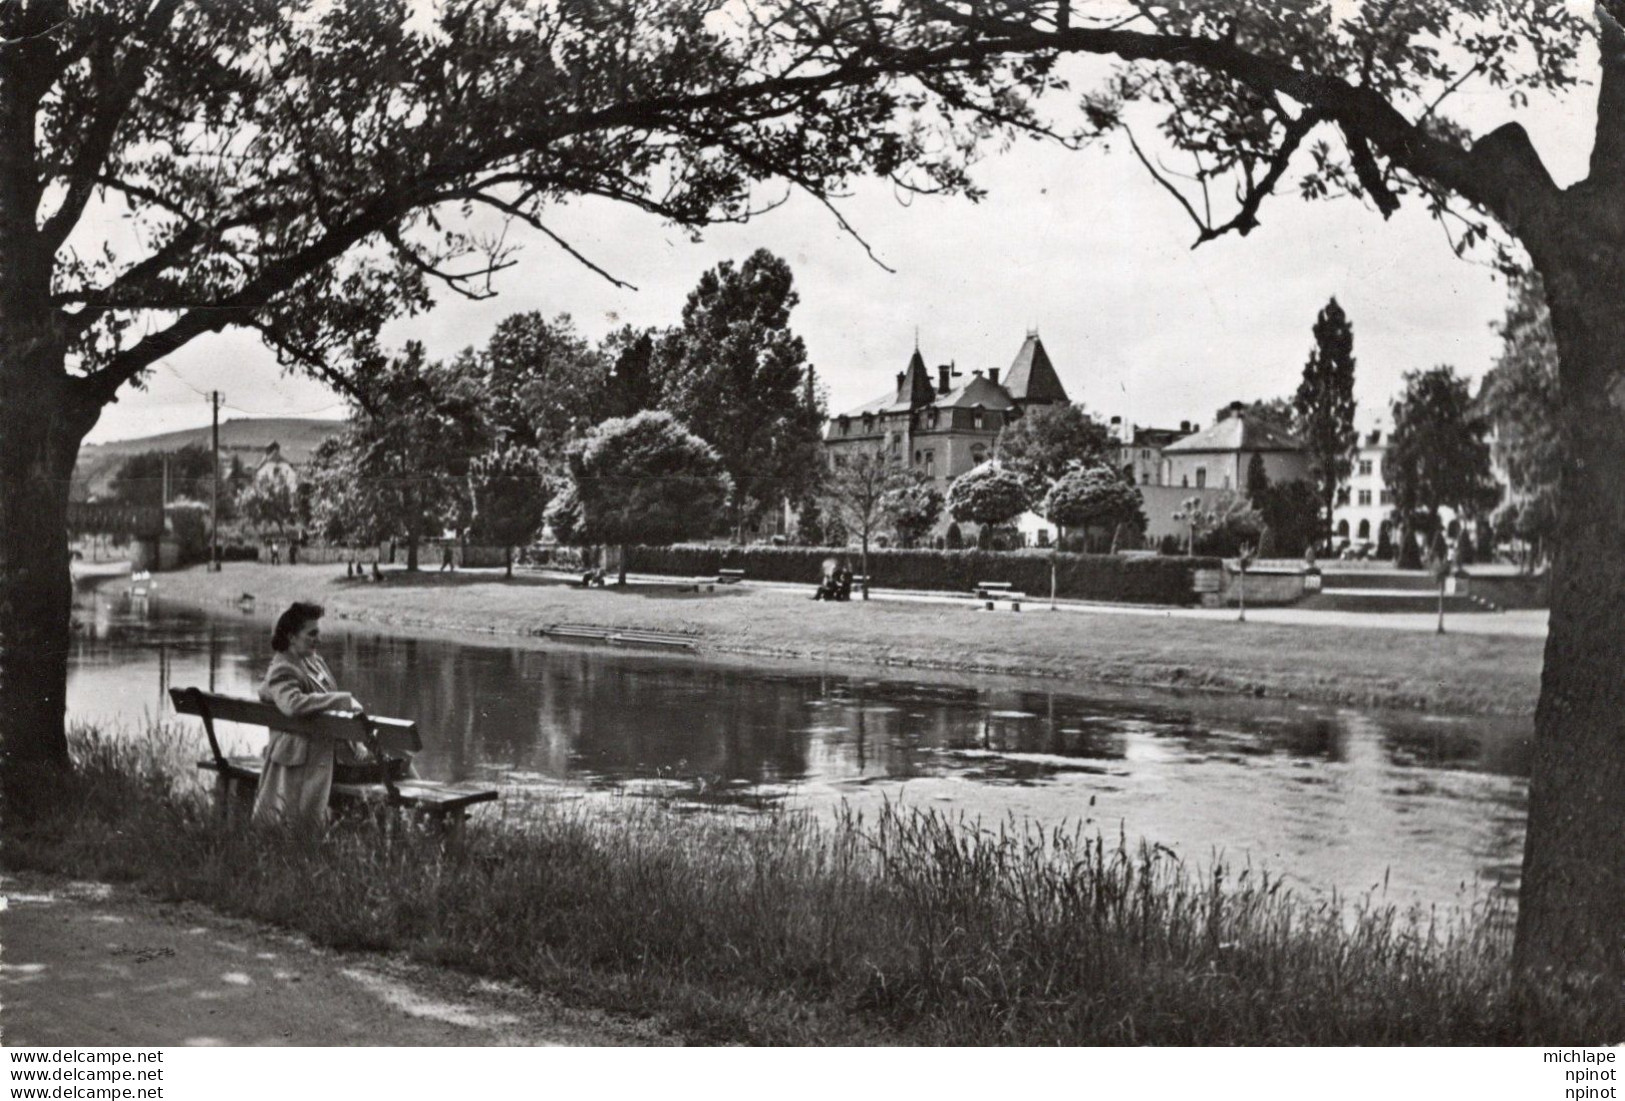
<point x="1163" y="580"/>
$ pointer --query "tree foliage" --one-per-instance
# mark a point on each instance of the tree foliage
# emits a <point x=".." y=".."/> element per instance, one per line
<point x="1521" y="400"/>
<point x="1048" y="440"/>
<point x="1324" y="405"/>
<point x="1095" y="496"/>
<point x="402" y="474"/>
<point x="1437" y="456"/>
<point x="989" y="495"/>
<point x="541" y="382"/>
<point x="139" y="479"/>
<point x="509" y="490"/>
<point x="646" y="479"/>
<point x="912" y="506"/>
<point x="739" y="380"/>
<point x="853" y="492"/>
<point x="269" y="504"/>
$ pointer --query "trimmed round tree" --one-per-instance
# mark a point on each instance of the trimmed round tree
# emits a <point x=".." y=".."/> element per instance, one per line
<point x="510" y="490"/>
<point x="646" y="479"/>
<point x="1091" y="497"/>
<point x="988" y="495"/>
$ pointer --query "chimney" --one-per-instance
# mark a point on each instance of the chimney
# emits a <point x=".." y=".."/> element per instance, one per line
<point x="977" y="372"/>
<point x="899" y="380"/>
<point x="993" y="375"/>
<point x="1195" y="427"/>
<point x="1185" y="428"/>
<point x="1116" y="421"/>
<point x="943" y="385"/>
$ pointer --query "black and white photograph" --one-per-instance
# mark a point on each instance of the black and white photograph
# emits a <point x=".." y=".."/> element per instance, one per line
<point x="791" y="524"/>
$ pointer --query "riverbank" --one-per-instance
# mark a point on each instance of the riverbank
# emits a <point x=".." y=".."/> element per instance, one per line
<point x="1320" y="660"/>
<point x="908" y="928"/>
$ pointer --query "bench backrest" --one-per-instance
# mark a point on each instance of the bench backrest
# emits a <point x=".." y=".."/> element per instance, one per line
<point x="399" y="735"/>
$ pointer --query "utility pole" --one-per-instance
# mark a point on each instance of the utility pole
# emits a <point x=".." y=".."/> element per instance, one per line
<point x="214" y="504"/>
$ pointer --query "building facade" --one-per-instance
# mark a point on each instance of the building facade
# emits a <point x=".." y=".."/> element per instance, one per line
<point x="1139" y="449"/>
<point x="1364" y="504"/>
<point x="1218" y="457"/>
<point x="947" y="425"/>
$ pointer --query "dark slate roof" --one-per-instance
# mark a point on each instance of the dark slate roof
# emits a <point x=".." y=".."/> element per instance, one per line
<point x="1032" y="376"/>
<point x="980" y="390"/>
<point x="1237" y="433"/>
<point x="885" y="403"/>
<point x="1153" y="437"/>
<point x="916" y="388"/>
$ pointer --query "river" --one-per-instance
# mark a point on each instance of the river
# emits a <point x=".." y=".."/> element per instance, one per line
<point x="1419" y="808"/>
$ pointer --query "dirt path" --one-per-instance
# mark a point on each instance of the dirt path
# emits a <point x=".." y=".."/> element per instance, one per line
<point x="86" y="964"/>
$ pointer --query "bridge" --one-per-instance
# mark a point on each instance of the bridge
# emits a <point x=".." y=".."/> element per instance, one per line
<point x="115" y="518"/>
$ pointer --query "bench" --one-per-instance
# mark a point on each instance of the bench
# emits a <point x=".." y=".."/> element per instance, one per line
<point x="237" y="777"/>
<point x="991" y="592"/>
<point x="730" y="577"/>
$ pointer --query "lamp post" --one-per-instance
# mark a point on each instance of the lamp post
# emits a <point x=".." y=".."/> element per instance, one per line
<point x="1441" y="570"/>
<point x="1245" y="560"/>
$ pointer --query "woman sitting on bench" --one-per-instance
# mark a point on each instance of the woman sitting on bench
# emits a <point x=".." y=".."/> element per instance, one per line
<point x="298" y="777"/>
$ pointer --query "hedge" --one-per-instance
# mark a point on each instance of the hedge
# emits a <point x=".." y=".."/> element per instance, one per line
<point x="1137" y="580"/>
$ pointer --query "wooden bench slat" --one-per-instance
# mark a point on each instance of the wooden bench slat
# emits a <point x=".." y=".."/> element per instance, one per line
<point x="399" y="735"/>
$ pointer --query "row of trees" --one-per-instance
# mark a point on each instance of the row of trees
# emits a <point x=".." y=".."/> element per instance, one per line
<point x="480" y="444"/>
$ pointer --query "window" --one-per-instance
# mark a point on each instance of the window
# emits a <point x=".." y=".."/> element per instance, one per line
<point x="1184" y="481"/>
<point x="846" y="427"/>
<point x="1201" y="477"/>
<point x="1386" y="497"/>
<point x="1342" y="495"/>
<point x="931" y="464"/>
<point x="1365" y="496"/>
<point x="934" y="417"/>
<point x="1145" y="453"/>
<point x="976" y="419"/>
<point x="1365" y="529"/>
<point x="1365" y="468"/>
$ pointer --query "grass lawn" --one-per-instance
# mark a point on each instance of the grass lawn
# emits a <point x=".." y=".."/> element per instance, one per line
<point x="1457" y="672"/>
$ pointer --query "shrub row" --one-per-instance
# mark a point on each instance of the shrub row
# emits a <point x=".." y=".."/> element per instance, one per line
<point x="1147" y="580"/>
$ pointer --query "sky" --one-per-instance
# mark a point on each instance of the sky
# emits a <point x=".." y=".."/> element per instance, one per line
<point x="1081" y="246"/>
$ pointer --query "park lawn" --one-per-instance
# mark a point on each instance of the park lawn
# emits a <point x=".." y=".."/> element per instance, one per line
<point x="1462" y="673"/>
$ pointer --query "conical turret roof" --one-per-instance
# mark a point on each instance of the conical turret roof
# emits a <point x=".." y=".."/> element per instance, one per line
<point x="1032" y="377"/>
<point x="916" y="388"/>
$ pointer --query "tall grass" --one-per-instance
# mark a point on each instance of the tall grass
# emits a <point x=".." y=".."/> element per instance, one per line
<point x="911" y="927"/>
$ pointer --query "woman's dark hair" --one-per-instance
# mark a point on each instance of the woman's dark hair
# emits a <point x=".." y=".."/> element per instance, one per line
<point x="292" y="621"/>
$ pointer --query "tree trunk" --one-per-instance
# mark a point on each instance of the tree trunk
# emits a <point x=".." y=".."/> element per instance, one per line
<point x="1573" y="887"/>
<point x="414" y="524"/>
<point x="507" y="563"/>
<point x="865" y="561"/>
<point x="40" y="430"/>
<point x="623" y="564"/>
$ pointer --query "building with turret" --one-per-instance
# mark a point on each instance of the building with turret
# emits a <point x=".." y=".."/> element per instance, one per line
<point x="944" y="426"/>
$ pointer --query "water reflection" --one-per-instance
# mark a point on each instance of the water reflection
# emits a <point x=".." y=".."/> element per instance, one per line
<point x="1339" y="798"/>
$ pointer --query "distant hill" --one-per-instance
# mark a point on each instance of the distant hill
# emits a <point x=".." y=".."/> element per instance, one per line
<point x="246" y="438"/>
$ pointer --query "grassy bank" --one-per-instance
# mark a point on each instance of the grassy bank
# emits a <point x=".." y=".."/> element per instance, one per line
<point x="1466" y="673"/>
<point x="912" y="928"/>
